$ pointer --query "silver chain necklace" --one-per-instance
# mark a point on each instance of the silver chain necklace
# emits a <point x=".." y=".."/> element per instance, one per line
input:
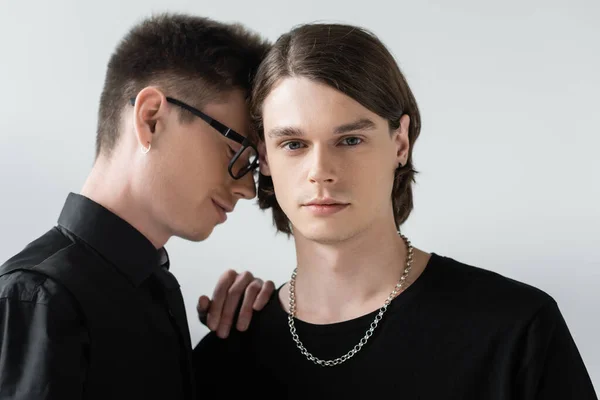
<point x="368" y="334"/>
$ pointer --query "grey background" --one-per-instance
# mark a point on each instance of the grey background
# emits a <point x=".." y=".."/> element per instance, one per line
<point x="508" y="153"/>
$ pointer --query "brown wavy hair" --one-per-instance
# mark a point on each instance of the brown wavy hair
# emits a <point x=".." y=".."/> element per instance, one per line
<point x="354" y="61"/>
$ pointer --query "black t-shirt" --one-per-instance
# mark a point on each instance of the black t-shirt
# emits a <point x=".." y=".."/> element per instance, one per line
<point x="458" y="332"/>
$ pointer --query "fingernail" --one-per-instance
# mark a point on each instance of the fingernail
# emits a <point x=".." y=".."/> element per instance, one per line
<point x="242" y="325"/>
<point x="223" y="332"/>
<point x="212" y="324"/>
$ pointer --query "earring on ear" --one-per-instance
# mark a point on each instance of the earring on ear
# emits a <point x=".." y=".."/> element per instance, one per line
<point x="145" y="150"/>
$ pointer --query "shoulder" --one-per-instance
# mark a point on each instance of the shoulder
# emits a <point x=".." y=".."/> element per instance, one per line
<point x="28" y="286"/>
<point x="21" y="279"/>
<point x="38" y="307"/>
<point x="479" y="289"/>
<point x="25" y="295"/>
<point x="211" y="345"/>
<point x="214" y="356"/>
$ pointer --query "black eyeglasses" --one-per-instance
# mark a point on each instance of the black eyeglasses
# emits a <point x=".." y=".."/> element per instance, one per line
<point x="248" y="149"/>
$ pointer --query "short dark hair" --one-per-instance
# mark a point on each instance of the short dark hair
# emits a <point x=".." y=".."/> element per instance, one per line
<point x="191" y="57"/>
<point x="354" y="61"/>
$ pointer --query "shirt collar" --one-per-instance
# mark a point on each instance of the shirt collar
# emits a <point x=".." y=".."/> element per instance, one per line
<point x="113" y="237"/>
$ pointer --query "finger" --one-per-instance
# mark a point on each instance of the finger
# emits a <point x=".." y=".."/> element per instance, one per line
<point x="202" y="308"/>
<point x="232" y="301"/>
<point x="264" y="295"/>
<point x="219" y="296"/>
<point x="250" y="294"/>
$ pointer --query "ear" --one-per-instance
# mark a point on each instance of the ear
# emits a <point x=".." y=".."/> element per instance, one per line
<point x="263" y="161"/>
<point x="401" y="140"/>
<point x="149" y="110"/>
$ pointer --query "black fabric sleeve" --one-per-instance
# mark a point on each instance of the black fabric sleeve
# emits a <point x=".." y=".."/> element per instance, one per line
<point x="41" y="342"/>
<point x="220" y="367"/>
<point x="552" y="367"/>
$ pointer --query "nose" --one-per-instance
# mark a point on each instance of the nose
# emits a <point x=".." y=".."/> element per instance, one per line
<point x="322" y="166"/>
<point x="245" y="187"/>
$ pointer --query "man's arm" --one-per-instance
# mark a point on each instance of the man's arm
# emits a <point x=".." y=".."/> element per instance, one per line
<point x="552" y="366"/>
<point x="42" y="340"/>
<point x="220" y="359"/>
<point x="221" y="367"/>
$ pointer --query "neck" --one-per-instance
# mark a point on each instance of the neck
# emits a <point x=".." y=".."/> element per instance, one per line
<point x="341" y="281"/>
<point x="107" y="186"/>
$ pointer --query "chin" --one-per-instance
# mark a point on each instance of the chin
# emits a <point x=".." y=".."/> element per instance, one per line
<point x="326" y="232"/>
<point x="198" y="235"/>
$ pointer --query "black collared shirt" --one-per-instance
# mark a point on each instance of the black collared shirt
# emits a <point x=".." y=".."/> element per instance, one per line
<point x="46" y="343"/>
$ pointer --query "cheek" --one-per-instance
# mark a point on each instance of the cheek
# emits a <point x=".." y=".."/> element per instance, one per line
<point x="211" y="164"/>
<point x="377" y="180"/>
<point x="286" y="180"/>
<point x="196" y="167"/>
<point x="369" y="176"/>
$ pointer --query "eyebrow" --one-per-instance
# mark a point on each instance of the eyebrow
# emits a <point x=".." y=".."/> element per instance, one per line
<point x="362" y="124"/>
<point x="285" y="131"/>
<point x="289" y="131"/>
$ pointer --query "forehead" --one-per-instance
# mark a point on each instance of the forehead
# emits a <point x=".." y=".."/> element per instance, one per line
<point x="232" y="110"/>
<point x="301" y="102"/>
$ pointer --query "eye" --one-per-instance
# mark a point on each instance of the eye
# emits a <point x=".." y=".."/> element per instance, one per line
<point x="351" y="141"/>
<point x="292" y="145"/>
<point x="232" y="151"/>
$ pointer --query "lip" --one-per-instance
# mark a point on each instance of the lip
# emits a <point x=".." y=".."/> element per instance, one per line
<point x="325" y="201"/>
<point x="222" y="210"/>
<point x="325" y="207"/>
<point x="225" y="206"/>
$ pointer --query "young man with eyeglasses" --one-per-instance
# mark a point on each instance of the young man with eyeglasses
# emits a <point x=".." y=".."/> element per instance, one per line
<point x="89" y="310"/>
<point x="365" y="314"/>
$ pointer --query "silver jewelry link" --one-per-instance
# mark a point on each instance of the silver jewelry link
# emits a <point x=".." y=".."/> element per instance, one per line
<point x="372" y="327"/>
